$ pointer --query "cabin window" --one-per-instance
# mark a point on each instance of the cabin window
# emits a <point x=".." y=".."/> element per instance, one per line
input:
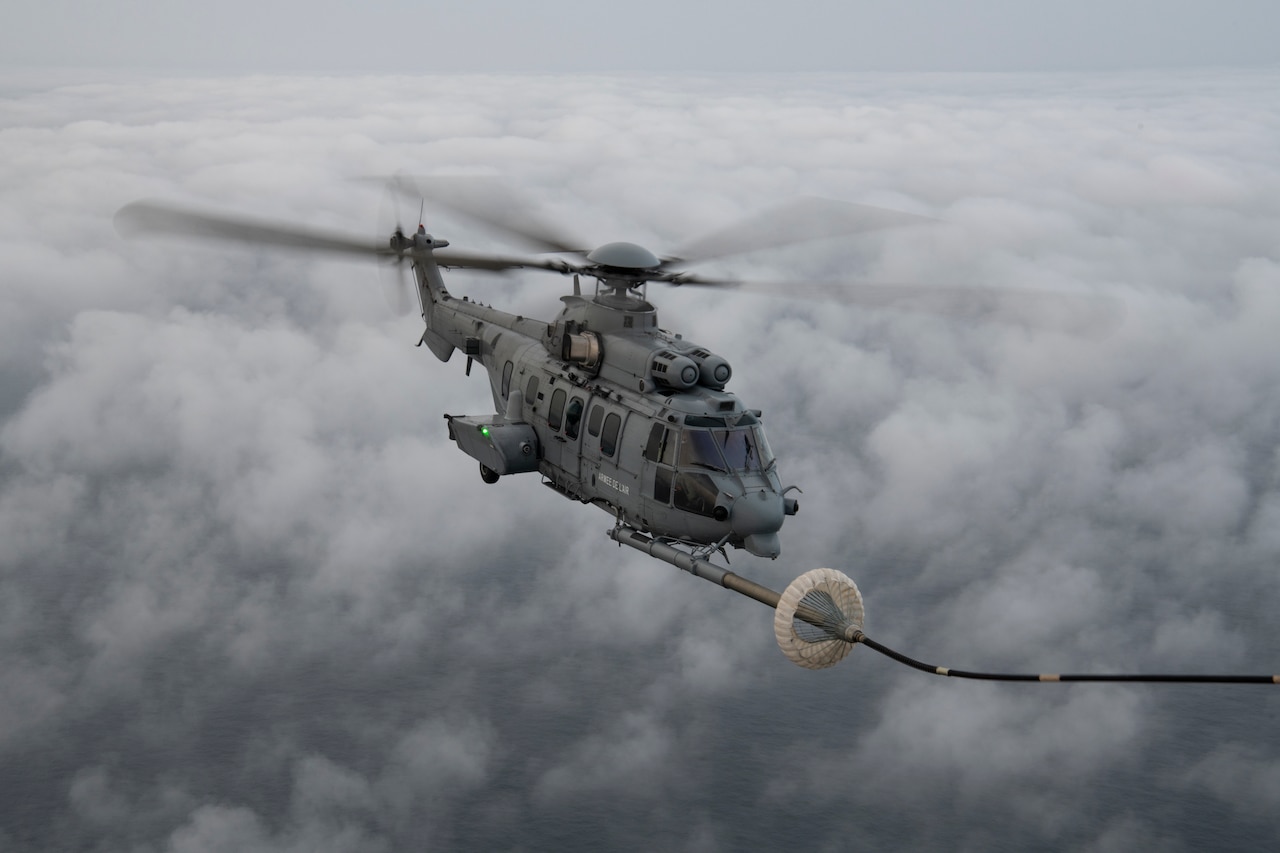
<point x="557" y="409"/>
<point x="594" y="419"/>
<point x="531" y="390"/>
<point x="506" y="379"/>
<point x="609" y="437"/>
<point x="573" y="417"/>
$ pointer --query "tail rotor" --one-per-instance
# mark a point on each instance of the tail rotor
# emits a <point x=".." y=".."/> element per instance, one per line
<point x="394" y="270"/>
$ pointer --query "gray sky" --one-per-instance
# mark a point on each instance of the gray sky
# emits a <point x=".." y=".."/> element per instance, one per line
<point x="663" y="35"/>
<point x="252" y="598"/>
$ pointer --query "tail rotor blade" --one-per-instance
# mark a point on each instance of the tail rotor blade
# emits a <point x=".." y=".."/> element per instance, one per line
<point x="393" y="272"/>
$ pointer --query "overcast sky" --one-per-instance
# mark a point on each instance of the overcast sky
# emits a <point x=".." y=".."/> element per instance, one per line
<point x="252" y="598"/>
<point x="661" y="35"/>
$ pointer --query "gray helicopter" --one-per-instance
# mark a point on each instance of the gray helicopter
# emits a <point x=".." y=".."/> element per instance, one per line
<point x="602" y="402"/>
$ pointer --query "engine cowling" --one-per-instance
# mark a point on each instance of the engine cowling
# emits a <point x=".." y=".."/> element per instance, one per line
<point x="674" y="370"/>
<point x="713" y="370"/>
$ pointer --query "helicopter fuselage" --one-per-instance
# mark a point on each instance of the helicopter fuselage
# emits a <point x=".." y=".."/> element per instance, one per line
<point x="614" y="411"/>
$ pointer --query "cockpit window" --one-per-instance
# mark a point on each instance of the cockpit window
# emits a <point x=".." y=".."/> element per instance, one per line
<point x="653" y="448"/>
<point x="745" y="448"/>
<point x="699" y="449"/>
<point x="739" y="449"/>
<point x="696" y="493"/>
<point x="762" y="447"/>
<point x="742" y="449"/>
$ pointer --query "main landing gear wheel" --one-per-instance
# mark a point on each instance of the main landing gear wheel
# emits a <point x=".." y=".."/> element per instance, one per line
<point x="487" y="474"/>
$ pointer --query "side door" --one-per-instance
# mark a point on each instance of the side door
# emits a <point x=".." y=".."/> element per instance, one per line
<point x="570" y="435"/>
<point x="562" y="413"/>
<point x="658" y="474"/>
<point x="603" y="455"/>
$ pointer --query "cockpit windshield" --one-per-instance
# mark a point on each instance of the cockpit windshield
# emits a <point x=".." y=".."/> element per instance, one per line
<point x="739" y="449"/>
<point x="763" y="448"/>
<point x="698" y="449"/>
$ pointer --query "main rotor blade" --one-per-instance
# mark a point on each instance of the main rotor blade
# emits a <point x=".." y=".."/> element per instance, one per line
<point x="462" y="259"/>
<point x="494" y="204"/>
<point x="155" y="218"/>
<point x="143" y="218"/>
<point x="800" y="221"/>
<point x="1087" y="315"/>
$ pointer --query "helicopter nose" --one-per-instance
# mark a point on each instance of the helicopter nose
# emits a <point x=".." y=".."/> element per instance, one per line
<point x="757" y="518"/>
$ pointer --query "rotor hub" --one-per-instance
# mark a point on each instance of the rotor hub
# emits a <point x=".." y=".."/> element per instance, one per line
<point x="625" y="258"/>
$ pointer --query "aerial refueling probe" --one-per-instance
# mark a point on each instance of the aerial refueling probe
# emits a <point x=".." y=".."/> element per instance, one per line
<point x="818" y="621"/>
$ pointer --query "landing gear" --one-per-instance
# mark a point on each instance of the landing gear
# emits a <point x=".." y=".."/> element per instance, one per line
<point x="487" y="474"/>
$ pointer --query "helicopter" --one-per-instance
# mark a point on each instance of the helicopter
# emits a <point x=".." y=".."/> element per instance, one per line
<point x="610" y="408"/>
<point x="602" y="402"/>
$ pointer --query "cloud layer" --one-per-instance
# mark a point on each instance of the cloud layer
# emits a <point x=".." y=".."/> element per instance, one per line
<point x="253" y="599"/>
